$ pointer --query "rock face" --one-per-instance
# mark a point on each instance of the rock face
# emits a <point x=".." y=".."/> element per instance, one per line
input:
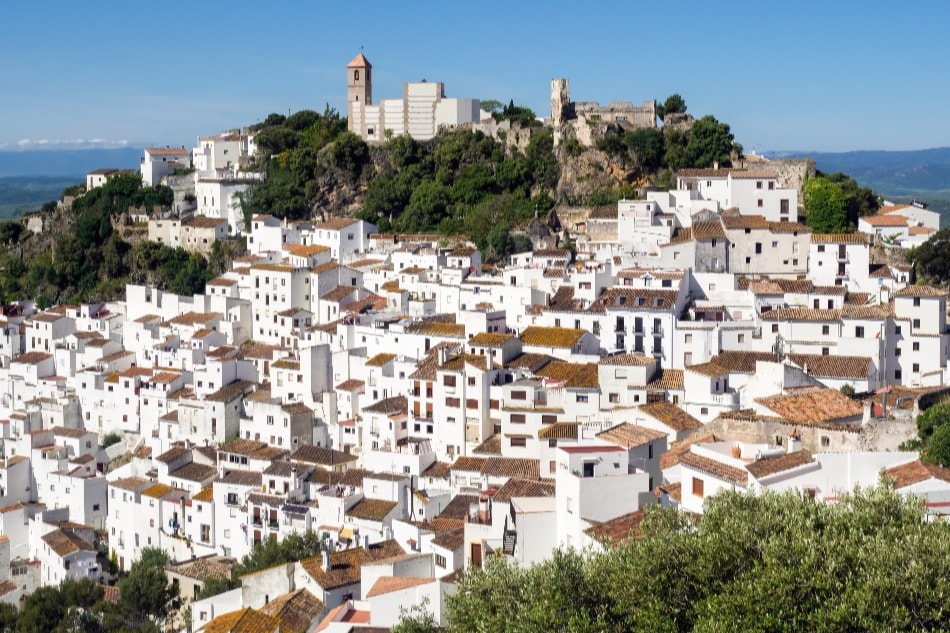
<point x="585" y="173"/>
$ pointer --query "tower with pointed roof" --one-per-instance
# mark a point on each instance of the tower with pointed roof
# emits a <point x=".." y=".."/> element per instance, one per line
<point x="359" y="92"/>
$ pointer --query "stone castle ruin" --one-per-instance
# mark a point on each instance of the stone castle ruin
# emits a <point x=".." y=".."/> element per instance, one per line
<point x="588" y="120"/>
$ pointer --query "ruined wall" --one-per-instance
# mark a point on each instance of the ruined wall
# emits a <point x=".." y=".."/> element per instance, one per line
<point x="589" y="119"/>
<point x="679" y="121"/>
<point x="874" y="435"/>
<point x="515" y="137"/>
<point x="792" y="172"/>
<point x="182" y="186"/>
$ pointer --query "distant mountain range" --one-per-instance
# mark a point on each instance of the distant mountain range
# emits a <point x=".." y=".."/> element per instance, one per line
<point x="66" y="163"/>
<point x="924" y="173"/>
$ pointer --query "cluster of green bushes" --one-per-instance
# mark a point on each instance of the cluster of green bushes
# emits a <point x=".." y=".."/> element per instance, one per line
<point x="834" y="202"/>
<point x="773" y="562"/>
<point x="461" y="182"/>
<point x="91" y="261"/>
<point x="145" y="599"/>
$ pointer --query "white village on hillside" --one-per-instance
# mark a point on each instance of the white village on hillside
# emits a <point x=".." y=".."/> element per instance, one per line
<point x="422" y="412"/>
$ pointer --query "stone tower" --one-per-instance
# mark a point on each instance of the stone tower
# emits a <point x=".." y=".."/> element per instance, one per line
<point x="560" y="106"/>
<point x="359" y="92"/>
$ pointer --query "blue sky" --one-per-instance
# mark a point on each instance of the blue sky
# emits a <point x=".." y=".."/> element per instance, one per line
<point x="826" y="76"/>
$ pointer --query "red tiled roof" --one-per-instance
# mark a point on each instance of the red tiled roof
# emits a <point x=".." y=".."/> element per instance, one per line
<point x="915" y="472"/>
<point x="813" y="407"/>
<point x="715" y="468"/>
<point x="773" y="465"/>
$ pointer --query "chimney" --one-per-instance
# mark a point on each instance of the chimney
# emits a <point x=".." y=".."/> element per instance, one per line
<point x="325" y="562"/>
<point x="484" y="509"/>
<point x="794" y="442"/>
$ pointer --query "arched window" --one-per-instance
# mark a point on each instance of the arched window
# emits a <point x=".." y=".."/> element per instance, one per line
<point x="356" y="75"/>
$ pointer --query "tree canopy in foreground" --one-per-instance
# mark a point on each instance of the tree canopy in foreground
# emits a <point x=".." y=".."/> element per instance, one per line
<point x="774" y="562"/>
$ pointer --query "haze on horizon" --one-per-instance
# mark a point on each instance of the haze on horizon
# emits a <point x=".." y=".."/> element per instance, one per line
<point x="809" y="76"/>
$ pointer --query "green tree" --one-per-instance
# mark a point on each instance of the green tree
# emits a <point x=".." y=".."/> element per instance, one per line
<point x="710" y="142"/>
<point x="646" y="147"/>
<point x="937" y="448"/>
<point x="825" y="206"/>
<point x="492" y="105"/>
<point x="929" y="420"/>
<point x="42" y="610"/>
<point x="8" y="617"/>
<point x="145" y="594"/>
<point x="675" y="155"/>
<point x="214" y="586"/>
<point x="931" y="259"/>
<point x="10" y="232"/>
<point x="268" y="553"/>
<point x="674" y="104"/>
<point x="860" y="201"/>
<point x="767" y="562"/>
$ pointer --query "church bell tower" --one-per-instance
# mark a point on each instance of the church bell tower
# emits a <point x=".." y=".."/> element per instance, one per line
<point x="359" y="92"/>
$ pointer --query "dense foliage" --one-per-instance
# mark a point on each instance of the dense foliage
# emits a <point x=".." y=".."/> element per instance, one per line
<point x="931" y="259"/>
<point x="674" y="104"/>
<point x="89" y="260"/>
<point x="825" y="206"/>
<point x="649" y="151"/>
<point x="774" y="562"/>
<point x="77" y="605"/>
<point x="933" y="434"/>
<point x="461" y="182"/>
<point x="266" y="554"/>
<point x="859" y="201"/>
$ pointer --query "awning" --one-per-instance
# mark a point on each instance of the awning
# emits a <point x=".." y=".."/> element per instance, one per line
<point x="346" y="533"/>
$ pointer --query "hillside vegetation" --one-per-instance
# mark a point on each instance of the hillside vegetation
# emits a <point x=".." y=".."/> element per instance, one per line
<point x="464" y="182"/>
<point x="774" y="562"/>
<point x="82" y="257"/>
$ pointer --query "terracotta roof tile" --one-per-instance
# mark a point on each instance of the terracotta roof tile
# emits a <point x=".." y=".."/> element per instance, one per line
<point x="512" y="467"/>
<point x="715" y="468"/>
<point x="458" y="507"/>
<point x="559" y="431"/>
<point x="710" y="369"/>
<point x="672" y="416"/>
<point x="813" y="407"/>
<point x="920" y="291"/>
<point x="245" y="620"/>
<point x="489" y="339"/>
<point x="915" y="472"/>
<point x="551" y="336"/>
<point x="708" y="230"/>
<point x="801" y="314"/>
<point x="451" y="540"/>
<point x="491" y="446"/>
<point x="884" y="220"/>
<point x="667" y="379"/>
<point x="618" y="529"/>
<point x="345" y="565"/>
<point x="371" y="509"/>
<point x="628" y="360"/>
<point x="389" y="584"/>
<point x="839" y="238"/>
<point x="630" y="435"/>
<point x="517" y="487"/>
<point x="296" y="611"/>
<point x="769" y="466"/>
<point x="741" y="222"/>
<point x="677" y="449"/>
<point x="574" y="375"/>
